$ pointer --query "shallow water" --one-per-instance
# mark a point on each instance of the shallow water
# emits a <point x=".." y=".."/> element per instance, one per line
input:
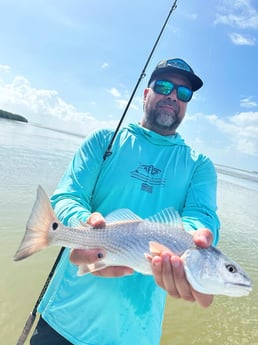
<point x="229" y="321"/>
<point x="31" y="155"/>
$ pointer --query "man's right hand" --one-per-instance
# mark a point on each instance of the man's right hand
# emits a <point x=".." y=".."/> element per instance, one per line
<point x="89" y="256"/>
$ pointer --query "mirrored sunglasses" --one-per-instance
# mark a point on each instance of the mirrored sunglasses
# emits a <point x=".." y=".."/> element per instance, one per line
<point x="166" y="87"/>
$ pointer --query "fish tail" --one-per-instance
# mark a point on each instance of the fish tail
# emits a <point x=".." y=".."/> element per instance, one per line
<point x="37" y="235"/>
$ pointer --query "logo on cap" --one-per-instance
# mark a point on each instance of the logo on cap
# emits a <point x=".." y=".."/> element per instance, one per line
<point x="178" y="63"/>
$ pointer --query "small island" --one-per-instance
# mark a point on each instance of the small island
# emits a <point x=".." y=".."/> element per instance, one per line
<point x="11" y="116"/>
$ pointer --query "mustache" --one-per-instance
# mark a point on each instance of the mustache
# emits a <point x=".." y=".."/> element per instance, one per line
<point x="170" y="103"/>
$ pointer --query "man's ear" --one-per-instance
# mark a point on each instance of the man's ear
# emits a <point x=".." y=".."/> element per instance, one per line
<point x="146" y="91"/>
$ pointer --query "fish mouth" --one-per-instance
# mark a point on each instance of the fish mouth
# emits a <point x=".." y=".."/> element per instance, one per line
<point x="238" y="289"/>
<point x="240" y="285"/>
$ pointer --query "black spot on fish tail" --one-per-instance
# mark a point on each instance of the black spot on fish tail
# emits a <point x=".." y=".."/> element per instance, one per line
<point x="55" y="226"/>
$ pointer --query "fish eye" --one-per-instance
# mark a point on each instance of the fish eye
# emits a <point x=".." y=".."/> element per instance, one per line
<point x="54" y="226"/>
<point x="231" y="268"/>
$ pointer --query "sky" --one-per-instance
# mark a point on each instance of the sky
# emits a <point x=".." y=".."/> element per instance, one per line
<point x="72" y="65"/>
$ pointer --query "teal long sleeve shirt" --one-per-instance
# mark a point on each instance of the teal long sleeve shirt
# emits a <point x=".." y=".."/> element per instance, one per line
<point x="146" y="173"/>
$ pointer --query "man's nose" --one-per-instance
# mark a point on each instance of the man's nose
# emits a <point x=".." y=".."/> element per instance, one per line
<point x="173" y="95"/>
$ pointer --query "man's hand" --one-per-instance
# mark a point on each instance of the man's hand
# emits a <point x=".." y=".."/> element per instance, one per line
<point x="89" y="256"/>
<point x="168" y="271"/>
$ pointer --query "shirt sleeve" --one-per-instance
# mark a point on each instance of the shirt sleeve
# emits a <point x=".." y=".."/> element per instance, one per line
<point x="72" y="197"/>
<point x="200" y="206"/>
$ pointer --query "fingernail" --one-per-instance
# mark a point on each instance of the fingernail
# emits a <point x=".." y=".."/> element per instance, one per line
<point x="203" y="239"/>
<point x="175" y="262"/>
<point x="156" y="263"/>
<point x="94" y="218"/>
<point x="128" y="272"/>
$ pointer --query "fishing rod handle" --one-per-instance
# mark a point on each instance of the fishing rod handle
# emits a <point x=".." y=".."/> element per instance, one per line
<point x="26" y="329"/>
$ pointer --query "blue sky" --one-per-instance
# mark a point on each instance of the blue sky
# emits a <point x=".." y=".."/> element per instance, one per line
<point x="73" y="65"/>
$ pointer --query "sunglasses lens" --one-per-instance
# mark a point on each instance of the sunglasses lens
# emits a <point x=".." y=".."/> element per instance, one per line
<point x="163" y="87"/>
<point x="184" y="93"/>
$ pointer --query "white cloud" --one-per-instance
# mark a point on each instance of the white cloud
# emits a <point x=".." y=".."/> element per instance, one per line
<point x="192" y="16"/>
<point x="246" y="119"/>
<point x="122" y="100"/>
<point x="241" y="130"/>
<point x="247" y="102"/>
<point x="122" y="103"/>
<point x="224" y="139"/>
<point x="105" y="65"/>
<point x="231" y="141"/>
<point x="46" y="107"/>
<point x="5" y="68"/>
<point x="243" y="40"/>
<point x="237" y="13"/>
<point x="114" y="92"/>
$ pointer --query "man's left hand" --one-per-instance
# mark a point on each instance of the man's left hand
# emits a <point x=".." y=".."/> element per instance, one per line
<point x="168" y="271"/>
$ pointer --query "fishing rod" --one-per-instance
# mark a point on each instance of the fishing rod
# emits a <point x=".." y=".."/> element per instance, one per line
<point x="33" y="313"/>
<point x="32" y="316"/>
<point x="142" y="75"/>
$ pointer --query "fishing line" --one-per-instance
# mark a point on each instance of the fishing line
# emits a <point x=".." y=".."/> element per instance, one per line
<point x="29" y="322"/>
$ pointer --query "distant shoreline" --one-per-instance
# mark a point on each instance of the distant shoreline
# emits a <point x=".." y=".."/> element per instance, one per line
<point x="10" y="116"/>
<point x="220" y="168"/>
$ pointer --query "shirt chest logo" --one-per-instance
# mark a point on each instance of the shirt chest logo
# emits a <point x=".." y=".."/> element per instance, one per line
<point x="150" y="177"/>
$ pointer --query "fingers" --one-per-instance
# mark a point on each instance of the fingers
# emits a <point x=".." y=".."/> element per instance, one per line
<point x="96" y="220"/>
<point x="163" y="273"/>
<point x="114" y="271"/>
<point x="89" y="256"/>
<point x="86" y="256"/>
<point x="203" y="299"/>
<point x="183" y="287"/>
<point x="168" y="271"/>
<point x="156" y="266"/>
<point x="203" y="237"/>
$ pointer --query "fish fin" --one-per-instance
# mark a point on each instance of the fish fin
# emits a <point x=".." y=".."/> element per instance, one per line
<point x="37" y="234"/>
<point x="148" y="256"/>
<point x="90" y="268"/>
<point x="167" y="216"/>
<point x="122" y="214"/>
<point x="157" y="248"/>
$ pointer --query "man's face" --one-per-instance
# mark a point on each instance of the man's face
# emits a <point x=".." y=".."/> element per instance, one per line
<point x="164" y="113"/>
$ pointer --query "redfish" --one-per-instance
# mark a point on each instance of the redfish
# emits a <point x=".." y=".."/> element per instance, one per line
<point x="128" y="240"/>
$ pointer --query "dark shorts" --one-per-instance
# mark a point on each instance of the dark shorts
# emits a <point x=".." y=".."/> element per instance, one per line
<point x="46" y="335"/>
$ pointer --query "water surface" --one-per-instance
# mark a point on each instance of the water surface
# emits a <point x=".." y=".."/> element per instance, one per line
<point x="31" y="155"/>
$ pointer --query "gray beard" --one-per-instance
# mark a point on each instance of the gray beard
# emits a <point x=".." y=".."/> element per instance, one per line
<point x="162" y="120"/>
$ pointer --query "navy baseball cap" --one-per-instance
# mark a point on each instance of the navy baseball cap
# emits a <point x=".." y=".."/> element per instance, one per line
<point x="177" y="66"/>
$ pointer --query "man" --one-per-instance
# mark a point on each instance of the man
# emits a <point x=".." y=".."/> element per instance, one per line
<point x="150" y="168"/>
